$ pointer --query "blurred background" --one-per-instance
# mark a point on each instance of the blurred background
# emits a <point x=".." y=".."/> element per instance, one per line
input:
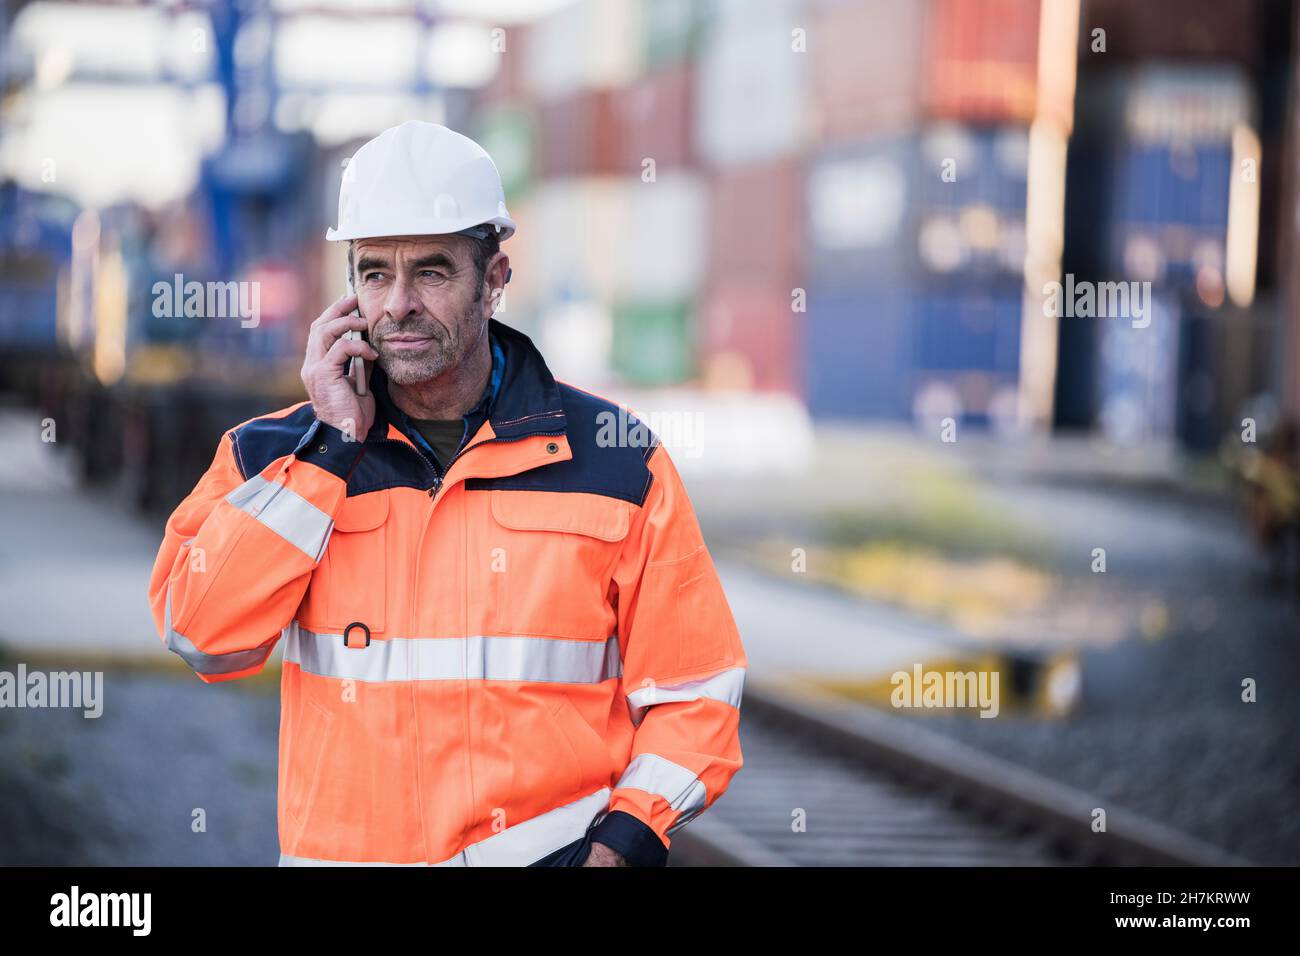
<point x="816" y="243"/>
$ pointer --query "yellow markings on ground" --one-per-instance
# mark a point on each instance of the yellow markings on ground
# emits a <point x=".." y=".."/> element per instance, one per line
<point x="989" y="684"/>
<point x="974" y="596"/>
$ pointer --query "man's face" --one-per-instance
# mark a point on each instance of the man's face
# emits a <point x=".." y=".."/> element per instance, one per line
<point x="417" y="294"/>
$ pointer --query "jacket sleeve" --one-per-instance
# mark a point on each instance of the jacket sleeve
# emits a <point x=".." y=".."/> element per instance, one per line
<point x="239" y="551"/>
<point x="683" y="673"/>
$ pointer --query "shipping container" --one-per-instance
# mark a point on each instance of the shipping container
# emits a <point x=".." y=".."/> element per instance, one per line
<point x="1169" y="227"/>
<point x="966" y="354"/>
<point x="751" y="87"/>
<point x="865" y="63"/>
<point x="970" y="202"/>
<point x="897" y="350"/>
<point x="654" y="341"/>
<point x="1181" y="185"/>
<point x="580" y="227"/>
<point x="1147" y="200"/>
<point x="509" y="134"/>
<point x="1137" y="376"/>
<point x="1170" y="173"/>
<point x="1172" y="104"/>
<point x="984" y="165"/>
<point x="858" y="351"/>
<point x="751" y="338"/>
<point x="578" y="135"/>
<point x="672" y="30"/>
<point x="981" y="60"/>
<point x="588" y="45"/>
<point x="655" y="119"/>
<point x="664" y="252"/>
<point x="757" y="225"/>
<point x="968" y="329"/>
<point x="861" y="211"/>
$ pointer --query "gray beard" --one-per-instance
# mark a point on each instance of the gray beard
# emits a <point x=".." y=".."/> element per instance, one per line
<point x="412" y="370"/>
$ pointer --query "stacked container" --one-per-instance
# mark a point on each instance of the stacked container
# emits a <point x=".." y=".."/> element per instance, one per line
<point x="1168" y="213"/>
<point x="751" y="130"/>
<point x="915" y="205"/>
<point x="830" y="197"/>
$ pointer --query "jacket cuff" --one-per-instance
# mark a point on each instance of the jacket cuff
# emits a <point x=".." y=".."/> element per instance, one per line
<point x="325" y="446"/>
<point x="638" y="844"/>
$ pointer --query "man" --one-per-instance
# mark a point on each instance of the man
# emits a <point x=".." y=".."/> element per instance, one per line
<point x="505" y="640"/>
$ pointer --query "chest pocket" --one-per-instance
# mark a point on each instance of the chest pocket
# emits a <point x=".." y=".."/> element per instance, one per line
<point x="554" y="558"/>
<point x="351" y="582"/>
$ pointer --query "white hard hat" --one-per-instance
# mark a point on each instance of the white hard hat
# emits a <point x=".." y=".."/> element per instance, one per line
<point x="420" y="179"/>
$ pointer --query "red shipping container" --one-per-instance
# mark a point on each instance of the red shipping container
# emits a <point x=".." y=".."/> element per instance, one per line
<point x="750" y="338"/>
<point x="981" y="59"/>
<point x="865" y="63"/>
<point x="756" y="229"/>
<point x="654" y="116"/>
<point x="578" y="136"/>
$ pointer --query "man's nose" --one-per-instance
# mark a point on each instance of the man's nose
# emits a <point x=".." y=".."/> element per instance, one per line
<point x="401" y="301"/>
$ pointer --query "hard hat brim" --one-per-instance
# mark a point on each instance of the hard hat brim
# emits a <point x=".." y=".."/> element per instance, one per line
<point x="442" y="227"/>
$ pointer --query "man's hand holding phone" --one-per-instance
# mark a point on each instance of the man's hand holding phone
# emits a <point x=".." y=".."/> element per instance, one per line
<point x="332" y="392"/>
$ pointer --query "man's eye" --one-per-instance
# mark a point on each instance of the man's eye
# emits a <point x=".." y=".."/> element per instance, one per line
<point x="431" y="273"/>
<point x="370" y="276"/>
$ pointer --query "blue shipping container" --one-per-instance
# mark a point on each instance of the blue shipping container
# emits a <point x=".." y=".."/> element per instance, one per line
<point x="976" y="330"/>
<point x="858" y="351"/>
<point x="861" y="207"/>
<point x="1137" y="375"/>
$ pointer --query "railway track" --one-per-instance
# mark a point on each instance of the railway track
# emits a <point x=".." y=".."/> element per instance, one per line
<point x="877" y="790"/>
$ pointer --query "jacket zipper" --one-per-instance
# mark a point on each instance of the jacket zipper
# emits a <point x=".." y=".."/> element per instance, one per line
<point x="437" y="483"/>
<point x="424" y="461"/>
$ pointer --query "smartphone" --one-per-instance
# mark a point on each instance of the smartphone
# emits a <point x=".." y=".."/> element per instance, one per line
<point x="357" y="368"/>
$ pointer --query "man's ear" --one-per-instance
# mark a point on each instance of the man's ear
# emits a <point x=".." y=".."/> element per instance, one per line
<point x="499" y="271"/>
<point x="497" y="275"/>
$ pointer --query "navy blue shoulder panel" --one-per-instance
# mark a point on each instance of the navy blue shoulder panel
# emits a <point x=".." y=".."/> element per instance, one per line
<point x="385" y="464"/>
<point x="261" y="441"/>
<point x="389" y="463"/>
<point x="611" y="450"/>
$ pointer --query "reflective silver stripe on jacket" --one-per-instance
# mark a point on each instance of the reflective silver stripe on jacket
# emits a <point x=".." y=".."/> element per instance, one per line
<point x="285" y="512"/>
<point x="519" y="845"/>
<point x="203" y="663"/>
<point x="455" y="658"/>
<point x="726" y="686"/>
<point x="682" y="789"/>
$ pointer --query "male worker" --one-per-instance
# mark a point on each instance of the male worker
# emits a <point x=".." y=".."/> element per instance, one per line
<point x="505" y="640"/>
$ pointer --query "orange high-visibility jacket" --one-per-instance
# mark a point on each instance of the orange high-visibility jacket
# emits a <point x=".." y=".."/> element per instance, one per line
<point x="481" y="666"/>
